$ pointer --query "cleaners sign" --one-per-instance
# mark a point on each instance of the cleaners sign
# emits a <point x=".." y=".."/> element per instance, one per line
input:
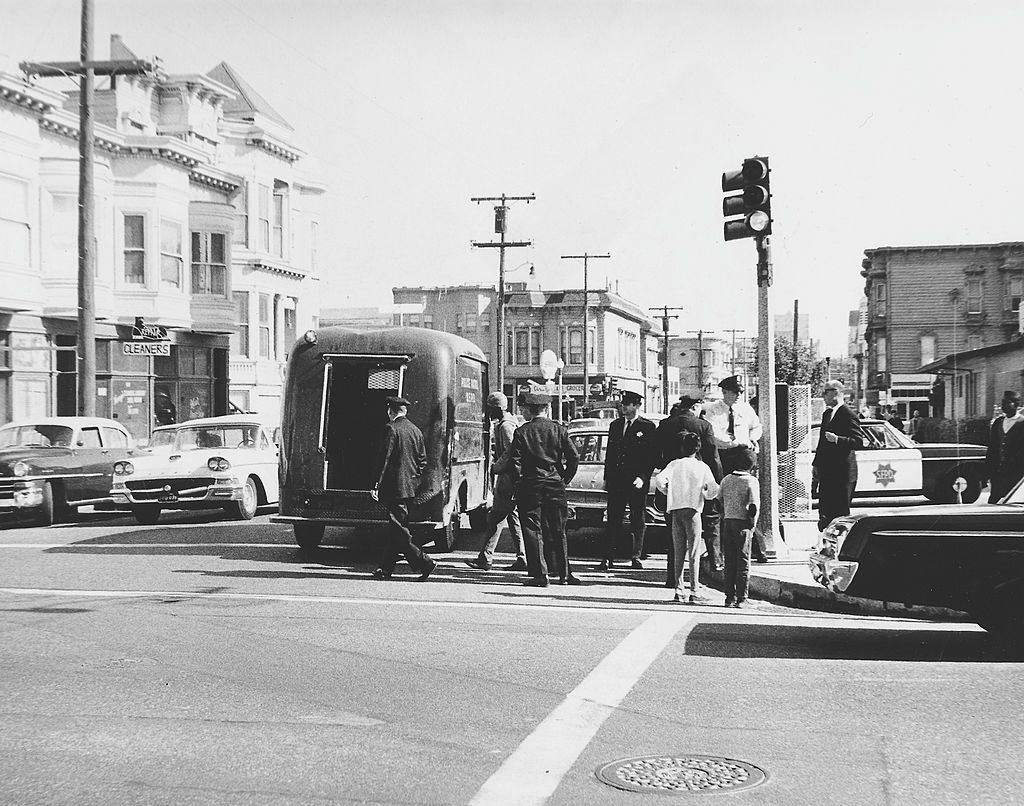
<point x="147" y="339"/>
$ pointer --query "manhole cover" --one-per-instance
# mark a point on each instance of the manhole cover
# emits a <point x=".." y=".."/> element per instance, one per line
<point x="680" y="775"/>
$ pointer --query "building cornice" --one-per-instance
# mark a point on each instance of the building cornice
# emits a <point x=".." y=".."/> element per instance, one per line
<point x="275" y="267"/>
<point x="212" y="177"/>
<point x="17" y="91"/>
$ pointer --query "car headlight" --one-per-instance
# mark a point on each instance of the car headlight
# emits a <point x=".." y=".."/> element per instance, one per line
<point x="19" y="468"/>
<point x="833" y="536"/>
<point x="218" y="463"/>
<point x="123" y="468"/>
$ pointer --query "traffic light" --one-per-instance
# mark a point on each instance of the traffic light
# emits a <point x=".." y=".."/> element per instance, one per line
<point x="613" y="384"/>
<point x="754" y="204"/>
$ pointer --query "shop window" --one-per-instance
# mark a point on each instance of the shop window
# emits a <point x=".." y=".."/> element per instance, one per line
<point x="135" y="249"/>
<point x="240" y="339"/>
<point x="209" y="263"/>
<point x="194" y="362"/>
<point x="30" y="351"/>
<point x="264" y="305"/>
<point x="240" y="202"/>
<point x="30" y="396"/>
<point x="170" y="253"/>
<point x="15" y="229"/>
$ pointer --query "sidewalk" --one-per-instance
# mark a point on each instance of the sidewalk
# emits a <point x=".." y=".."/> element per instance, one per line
<point x="787" y="581"/>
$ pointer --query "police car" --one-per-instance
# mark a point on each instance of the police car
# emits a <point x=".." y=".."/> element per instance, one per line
<point x="891" y="464"/>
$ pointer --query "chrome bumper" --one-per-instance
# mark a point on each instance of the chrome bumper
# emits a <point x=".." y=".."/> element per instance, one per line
<point x="836" y="575"/>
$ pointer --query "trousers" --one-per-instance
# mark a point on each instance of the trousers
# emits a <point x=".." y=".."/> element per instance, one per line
<point x="502" y="511"/>
<point x="618" y="500"/>
<point x="736" y="537"/>
<point x="685" y="524"/>
<point x="542" y="514"/>
<point x="399" y="539"/>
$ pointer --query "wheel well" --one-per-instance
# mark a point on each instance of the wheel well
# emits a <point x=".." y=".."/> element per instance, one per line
<point x="261" y="493"/>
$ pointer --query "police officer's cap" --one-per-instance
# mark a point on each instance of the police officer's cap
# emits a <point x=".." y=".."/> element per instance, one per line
<point x="395" y="402"/>
<point x="534" y="399"/>
<point x="687" y="402"/>
<point x="731" y="384"/>
<point x="632" y="399"/>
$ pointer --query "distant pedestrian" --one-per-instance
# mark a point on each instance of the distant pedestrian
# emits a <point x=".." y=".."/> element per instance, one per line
<point x="916" y="426"/>
<point x="503" y="506"/>
<point x="741" y="499"/>
<point x="893" y="418"/>
<point x="399" y="467"/>
<point x="628" y="464"/>
<point x="835" y="461"/>
<point x="1005" y="454"/>
<point x="688" y="483"/>
<point x="542" y="461"/>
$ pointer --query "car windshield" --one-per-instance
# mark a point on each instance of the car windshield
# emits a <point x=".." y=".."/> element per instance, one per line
<point x="162" y="439"/>
<point x="198" y="438"/>
<point x="590" y="447"/>
<point x="37" y="436"/>
<point x="877" y="436"/>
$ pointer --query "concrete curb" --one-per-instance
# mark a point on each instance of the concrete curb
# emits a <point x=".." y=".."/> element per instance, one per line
<point x="791" y="593"/>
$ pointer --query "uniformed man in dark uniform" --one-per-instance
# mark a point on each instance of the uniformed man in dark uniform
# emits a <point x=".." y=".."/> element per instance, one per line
<point x="542" y="461"/>
<point x="399" y="466"/>
<point x="628" y="464"/>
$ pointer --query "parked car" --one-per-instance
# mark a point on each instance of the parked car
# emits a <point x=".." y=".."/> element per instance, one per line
<point x="225" y="462"/>
<point x="588" y="501"/>
<point x="892" y="464"/>
<point x="966" y="557"/>
<point x="162" y="439"/>
<point x="50" y="466"/>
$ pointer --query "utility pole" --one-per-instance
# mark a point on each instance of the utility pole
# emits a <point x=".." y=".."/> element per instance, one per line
<point x="665" y="316"/>
<point x="586" y="256"/>
<point x="796" y="335"/>
<point x="87" y="69"/>
<point x="732" y="364"/>
<point x="500" y="227"/>
<point x="700" y="356"/>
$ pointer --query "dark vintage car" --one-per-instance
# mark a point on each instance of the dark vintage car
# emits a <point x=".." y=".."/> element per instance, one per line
<point x="52" y="465"/>
<point x="588" y="501"/>
<point x="892" y="465"/>
<point x="967" y="557"/>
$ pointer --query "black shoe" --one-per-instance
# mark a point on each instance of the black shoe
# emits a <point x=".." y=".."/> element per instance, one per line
<point x="427" y="571"/>
<point x="670" y="584"/>
<point x="478" y="564"/>
<point x="380" y="573"/>
<point x="518" y="565"/>
<point x="570" y="580"/>
<point x="760" y="560"/>
<point x="536" y="582"/>
<point x="606" y="565"/>
<point x="636" y="565"/>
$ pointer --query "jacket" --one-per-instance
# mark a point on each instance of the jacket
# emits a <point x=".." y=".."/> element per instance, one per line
<point x="402" y="460"/>
<point x="630" y="454"/>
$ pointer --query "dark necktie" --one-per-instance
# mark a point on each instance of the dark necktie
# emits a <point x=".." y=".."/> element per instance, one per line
<point x="732" y="424"/>
<point x="826" y="418"/>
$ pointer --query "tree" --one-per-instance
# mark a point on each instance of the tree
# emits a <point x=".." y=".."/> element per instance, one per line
<point x="808" y="368"/>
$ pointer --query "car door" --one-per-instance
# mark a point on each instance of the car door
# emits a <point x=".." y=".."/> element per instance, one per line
<point x="885" y="466"/>
<point x="95" y="468"/>
<point x="268" y="466"/>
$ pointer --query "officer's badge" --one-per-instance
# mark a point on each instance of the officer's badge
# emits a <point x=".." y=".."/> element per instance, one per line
<point x="885" y="475"/>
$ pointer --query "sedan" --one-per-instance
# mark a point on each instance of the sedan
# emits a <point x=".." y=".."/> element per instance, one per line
<point x="217" y="462"/>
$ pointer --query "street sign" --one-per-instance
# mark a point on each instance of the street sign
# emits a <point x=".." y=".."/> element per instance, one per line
<point x="548" y="364"/>
<point x="147" y="348"/>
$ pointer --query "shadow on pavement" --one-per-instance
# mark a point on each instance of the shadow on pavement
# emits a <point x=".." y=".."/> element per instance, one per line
<point x="736" y="640"/>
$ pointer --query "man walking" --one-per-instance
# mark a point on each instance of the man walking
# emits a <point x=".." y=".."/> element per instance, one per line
<point x="542" y="460"/>
<point x="402" y="460"/>
<point x="503" y="507"/>
<point x="835" y="460"/>
<point x="1005" y="454"/>
<point x="628" y="464"/>
<point x="688" y="419"/>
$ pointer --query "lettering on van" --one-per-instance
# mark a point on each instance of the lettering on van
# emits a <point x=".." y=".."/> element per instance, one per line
<point x="469" y="383"/>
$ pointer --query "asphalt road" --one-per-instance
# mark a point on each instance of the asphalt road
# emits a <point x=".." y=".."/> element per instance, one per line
<point x="204" y="661"/>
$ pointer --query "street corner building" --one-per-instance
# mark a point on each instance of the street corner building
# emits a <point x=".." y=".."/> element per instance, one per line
<point x="206" y="219"/>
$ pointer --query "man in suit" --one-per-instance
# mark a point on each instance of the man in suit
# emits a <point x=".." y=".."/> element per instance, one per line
<point x="835" y="460"/>
<point x="1005" y="454"/>
<point x="629" y="460"/>
<point x="542" y="461"/>
<point x="399" y="466"/>
<point x="687" y="419"/>
<point x="503" y="507"/>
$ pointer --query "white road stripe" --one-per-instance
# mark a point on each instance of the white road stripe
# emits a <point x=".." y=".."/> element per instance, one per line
<point x="532" y="773"/>
<point x="81" y="546"/>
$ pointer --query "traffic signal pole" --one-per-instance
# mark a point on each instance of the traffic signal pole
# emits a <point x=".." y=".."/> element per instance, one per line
<point x="768" y="461"/>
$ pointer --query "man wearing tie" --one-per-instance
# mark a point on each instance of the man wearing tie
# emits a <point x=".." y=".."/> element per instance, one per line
<point x="736" y="426"/>
<point x="835" y="458"/>
<point x="628" y="464"/>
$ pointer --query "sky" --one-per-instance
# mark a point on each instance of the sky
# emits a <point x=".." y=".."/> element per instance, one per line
<point x="886" y="124"/>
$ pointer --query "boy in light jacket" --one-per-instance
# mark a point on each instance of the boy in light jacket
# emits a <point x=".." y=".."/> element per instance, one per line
<point x="741" y="498"/>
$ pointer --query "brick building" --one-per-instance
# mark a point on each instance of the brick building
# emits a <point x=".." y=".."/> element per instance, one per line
<point x="204" y="226"/>
<point x="927" y="301"/>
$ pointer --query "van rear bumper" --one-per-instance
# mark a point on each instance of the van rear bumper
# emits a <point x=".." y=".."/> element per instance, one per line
<point x="349" y="521"/>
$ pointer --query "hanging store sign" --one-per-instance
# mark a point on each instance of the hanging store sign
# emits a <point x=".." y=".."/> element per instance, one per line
<point x="147" y="348"/>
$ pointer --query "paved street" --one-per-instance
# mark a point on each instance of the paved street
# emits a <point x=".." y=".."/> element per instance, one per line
<point x="208" y="661"/>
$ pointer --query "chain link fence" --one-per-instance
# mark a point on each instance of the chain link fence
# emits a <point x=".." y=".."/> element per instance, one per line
<point x="795" y="463"/>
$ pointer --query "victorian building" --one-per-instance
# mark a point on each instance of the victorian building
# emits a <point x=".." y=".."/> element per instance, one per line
<point x="205" y="231"/>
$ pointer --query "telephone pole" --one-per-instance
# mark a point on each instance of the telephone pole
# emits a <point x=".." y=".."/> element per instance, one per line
<point x="700" y="356"/>
<point x="665" y="316"/>
<point x="586" y="256"/>
<point x="87" y="69"/>
<point x="500" y="227"/>
<point x="732" y="364"/>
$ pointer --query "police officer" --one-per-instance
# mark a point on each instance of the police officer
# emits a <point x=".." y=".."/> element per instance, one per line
<point x="736" y="425"/>
<point x="628" y="464"/>
<point x="542" y="461"/>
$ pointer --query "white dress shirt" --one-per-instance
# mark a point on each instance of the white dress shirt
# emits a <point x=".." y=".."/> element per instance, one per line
<point x="746" y="424"/>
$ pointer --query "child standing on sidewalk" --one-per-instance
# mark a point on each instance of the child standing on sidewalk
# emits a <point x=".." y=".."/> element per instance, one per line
<point x="688" y="483"/>
<point x="741" y="498"/>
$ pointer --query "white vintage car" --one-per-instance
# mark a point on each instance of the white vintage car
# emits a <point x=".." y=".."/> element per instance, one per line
<point x="218" y="462"/>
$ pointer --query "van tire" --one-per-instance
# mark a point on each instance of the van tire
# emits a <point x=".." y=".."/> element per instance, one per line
<point x="446" y="538"/>
<point x="308" y="535"/>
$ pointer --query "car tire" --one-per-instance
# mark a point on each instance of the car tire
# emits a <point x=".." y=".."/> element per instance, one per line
<point x="943" y="492"/>
<point x="245" y="509"/>
<point x="49" y="511"/>
<point x="147" y="515"/>
<point x="308" y="535"/>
